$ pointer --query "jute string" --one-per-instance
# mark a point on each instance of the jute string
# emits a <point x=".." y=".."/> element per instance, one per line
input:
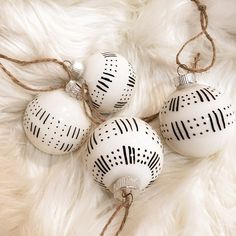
<point x="194" y="68"/>
<point x="92" y="113"/>
<point x="126" y="203"/>
<point x="204" y="23"/>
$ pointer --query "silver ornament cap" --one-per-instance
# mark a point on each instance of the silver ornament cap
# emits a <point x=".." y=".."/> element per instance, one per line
<point x="128" y="184"/>
<point x="185" y="80"/>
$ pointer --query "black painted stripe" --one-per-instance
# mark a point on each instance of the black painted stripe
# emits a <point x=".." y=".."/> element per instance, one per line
<point x="155" y="162"/>
<point x="105" y="73"/>
<point x="106" y="79"/>
<point x="205" y="94"/>
<point x="222" y="117"/>
<point x="90" y="141"/>
<point x="62" y="146"/>
<point x="42" y="115"/>
<point x="31" y="126"/>
<point x="94" y="139"/>
<point x="37" y="135"/>
<point x="170" y="104"/>
<point x="34" y="129"/>
<point x="119" y="127"/>
<point x="212" y="125"/>
<point x="99" y="167"/>
<point x="136" y="125"/>
<point x="173" y="107"/>
<point x="118" y="106"/>
<point x="200" y="96"/>
<point x="173" y="128"/>
<point x="38" y="112"/>
<point x="185" y="130"/>
<point x="125" y="155"/>
<point x="74" y="132"/>
<point x="210" y="93"/>
<point x="103" y="166"/>
<point x="126" y="128"/>
<point x="105" y="163"/>
<point x="217" y="120"/>
<point x="121" y="102"/>
<point x="133" y="151"/>
<point x="70" y="147"/>
<point x="102" y="83"/>
<point x="66" y="147"/>
<point x="46" y="118"/>
<point x="177" y="105"/>
<point x="130" y="156"/>
<point x="129" y="124"/>
<point x="132" y="78"/>
<point x="176" y="123"/>
<point x="131" y="81"/>
<point x="152" y="158"/>
<point x="130" y="85"/>
<point x="77" y="133"/>
<point x="101" y="88"/>
<point x="68" y="131"/>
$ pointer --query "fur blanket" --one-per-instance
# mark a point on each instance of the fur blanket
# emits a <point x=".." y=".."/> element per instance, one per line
<point x="43" y="195"/>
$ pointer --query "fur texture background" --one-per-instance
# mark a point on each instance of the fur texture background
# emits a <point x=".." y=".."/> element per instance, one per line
<point x="42" y="195"/>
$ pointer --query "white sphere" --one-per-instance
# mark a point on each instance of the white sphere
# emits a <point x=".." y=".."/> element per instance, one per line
<point x="124" y="147"/>
<point x="111" y="80"/>
<point x="197" y="121"/>
<point x="55" y="122"/>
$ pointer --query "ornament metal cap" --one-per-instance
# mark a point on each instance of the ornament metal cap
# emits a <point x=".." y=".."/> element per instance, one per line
<point x="127" y="183"/>
<point x="73" y="87"/>
<point x="185" y="80"/>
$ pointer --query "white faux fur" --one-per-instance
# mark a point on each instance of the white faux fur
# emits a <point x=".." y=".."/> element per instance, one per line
<point x="42" y="195"/>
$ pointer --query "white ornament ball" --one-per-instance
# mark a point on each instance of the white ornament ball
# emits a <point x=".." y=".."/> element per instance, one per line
<point x="197" y="120"/>
<point x="55" y="122"/>
<point x="111" y="80"/>
<point x="124" y="147"/>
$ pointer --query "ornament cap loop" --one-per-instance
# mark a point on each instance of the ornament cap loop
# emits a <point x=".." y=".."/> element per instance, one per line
<point x="128" y="184"/>
<point x="185" y="80"/>
<point x="73" y="88"/>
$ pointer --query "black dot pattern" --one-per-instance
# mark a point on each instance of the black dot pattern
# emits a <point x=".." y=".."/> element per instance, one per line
<point x="124" y="154"/>
<point x="45" y="130"/>
<point x="194" y="123"/>
<point x="108" y="80"/>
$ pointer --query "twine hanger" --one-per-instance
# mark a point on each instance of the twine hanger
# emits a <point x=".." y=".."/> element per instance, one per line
<point x="94" y="116"/>
<point x="194" y="66"/>
<point x="126" y="204"/>
<point x="204" y="24"/>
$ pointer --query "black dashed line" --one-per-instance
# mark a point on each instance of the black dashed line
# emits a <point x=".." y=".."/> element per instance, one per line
<point x="185" y="130"/>
<point x="38" y="112"/>
<point x="212" y="125"/>
<point x="176" y="123"/>
<point x="42" y="115"/>
<point x="217" y="120"/>
<point x="106" y="79"/>
<point x="105" y="73"/>
<point x="101" y="88"/>
<point x="222" y="117"/>
<point x="210" y="93"/>
<point x="119" y="127"/>
<point x="173" y="128"/>
<point x="136" y="125"/>
<point x="46" y="118"/>
<point x="129" y="124"/>
<point x="124" y="125"/>
<point x="205" y="94"/>
<point x="68" y="131"/>
<point x="102" y="83"/>
<point x="125" y="155"/>
<point x="200" y="96"/>
<point x="74" y="132"/>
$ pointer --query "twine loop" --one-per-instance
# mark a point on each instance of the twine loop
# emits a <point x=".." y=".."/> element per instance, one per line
<point x="204" y="23"/>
